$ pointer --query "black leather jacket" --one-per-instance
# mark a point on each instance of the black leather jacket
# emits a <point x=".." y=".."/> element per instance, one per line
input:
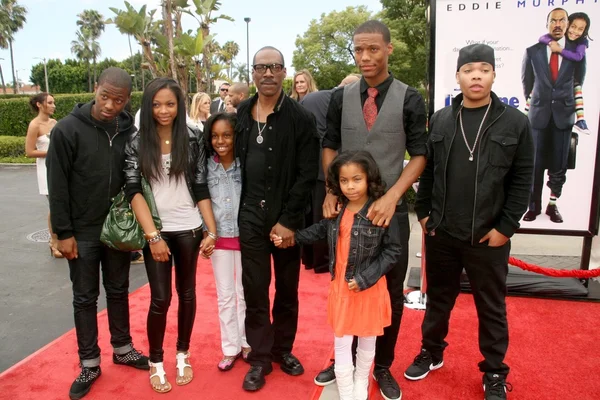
<point x="374" y="250"/>
<point x="195" y="176"/>
<point x="504" y="169"/>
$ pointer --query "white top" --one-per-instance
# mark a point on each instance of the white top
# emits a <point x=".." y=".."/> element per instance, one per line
<point x="41" y="144"/>
<point x="175" y="205"/>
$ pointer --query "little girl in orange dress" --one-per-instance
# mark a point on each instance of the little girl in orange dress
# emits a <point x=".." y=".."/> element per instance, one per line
<point x="360" y="255"/>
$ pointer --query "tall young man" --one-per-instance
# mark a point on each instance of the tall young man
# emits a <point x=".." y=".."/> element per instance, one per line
<point x="471" y="196"/>
<point x="85" y="171"/>
<point x="277" y="142"/>
<point x="386" y="117"/>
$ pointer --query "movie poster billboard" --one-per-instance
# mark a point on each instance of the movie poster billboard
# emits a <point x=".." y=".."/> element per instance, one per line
<point x="524" y="34"/>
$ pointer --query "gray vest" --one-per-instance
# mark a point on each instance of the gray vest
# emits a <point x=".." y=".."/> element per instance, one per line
<point x="387" y="140"/>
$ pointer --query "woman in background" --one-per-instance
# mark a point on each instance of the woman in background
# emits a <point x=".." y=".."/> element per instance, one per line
<point x="200" y="110"/>
<point x="303" y="85"/>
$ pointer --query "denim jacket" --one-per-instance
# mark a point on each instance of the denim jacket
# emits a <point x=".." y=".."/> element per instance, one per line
<point x="374" y="250"/>
<point x="225" y="189"/>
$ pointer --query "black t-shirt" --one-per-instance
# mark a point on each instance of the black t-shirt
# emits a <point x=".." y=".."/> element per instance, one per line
<point x="461" y="176"/>
<point x="255" y="164"/>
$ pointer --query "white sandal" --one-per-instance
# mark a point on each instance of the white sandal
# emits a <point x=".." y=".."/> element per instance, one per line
<point x="161" y="374"/>
<point x="182" y="359"/>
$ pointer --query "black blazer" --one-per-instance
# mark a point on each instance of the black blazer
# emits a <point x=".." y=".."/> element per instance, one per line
<point x="214" y="106"/>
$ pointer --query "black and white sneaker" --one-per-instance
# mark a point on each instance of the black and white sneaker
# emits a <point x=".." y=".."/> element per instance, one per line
<point x="495" y="387"/>
<point x="388" y="387"/>
<point x="326" y="376"/>
<point x="82" y="385"/>
<point x="422" y="365"/>
<point x="133" y="359"/>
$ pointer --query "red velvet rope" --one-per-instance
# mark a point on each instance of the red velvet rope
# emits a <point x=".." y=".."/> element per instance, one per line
<point x="559" y="273"/>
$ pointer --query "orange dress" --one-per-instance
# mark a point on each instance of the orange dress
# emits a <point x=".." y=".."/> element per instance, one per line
<point x="363" y="313"/>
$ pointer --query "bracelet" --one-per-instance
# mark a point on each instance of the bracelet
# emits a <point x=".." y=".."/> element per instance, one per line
<point x="155" y="239"/>
<point x="212" y="236"/>
<point x="151" y="235"/>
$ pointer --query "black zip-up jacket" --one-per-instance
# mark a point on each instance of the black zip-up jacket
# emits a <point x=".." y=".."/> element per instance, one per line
<point x="85" y="171"/>
<point x="195" y="175"/>
<point x="504" y="169"/>
<point x="374" y="250"/>
<point x="292" y="144"/>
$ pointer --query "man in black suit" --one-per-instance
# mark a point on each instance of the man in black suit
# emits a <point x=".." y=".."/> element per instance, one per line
<point x="549" y="79"/>
<point x="218" y="105"/>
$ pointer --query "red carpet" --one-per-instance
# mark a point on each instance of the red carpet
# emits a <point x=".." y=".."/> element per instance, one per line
<point x="48" y="373"/>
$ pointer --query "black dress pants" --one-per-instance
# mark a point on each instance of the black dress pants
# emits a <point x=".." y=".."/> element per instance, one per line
<point x="487" y="268"/>
<point x="265" y="337"/>
<point x="184" y="247"/>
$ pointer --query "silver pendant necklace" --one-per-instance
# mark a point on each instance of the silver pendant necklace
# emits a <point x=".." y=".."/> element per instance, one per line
<point x="462" y="129"/>
<point x="259" y="138"/>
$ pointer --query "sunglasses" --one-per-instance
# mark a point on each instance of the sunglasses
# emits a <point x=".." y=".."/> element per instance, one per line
<point x="262" y="68"/>
<point x="224" y="90"/>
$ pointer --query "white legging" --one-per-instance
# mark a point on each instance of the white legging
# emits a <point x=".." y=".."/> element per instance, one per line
<point x="343" y="347"/>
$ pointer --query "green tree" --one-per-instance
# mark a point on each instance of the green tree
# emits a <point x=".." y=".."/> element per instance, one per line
<point x="82" y="49"/>
<point x="12" y="19"/>
<point x="326" y="49"/>
<point x="92" y="23"/>
<point x="229" y="51"/>
<point x="241" y="72"/>
<point x="67" y="77"/>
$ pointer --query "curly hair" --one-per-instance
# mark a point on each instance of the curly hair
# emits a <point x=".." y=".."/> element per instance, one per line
<point x="362" y="158"/>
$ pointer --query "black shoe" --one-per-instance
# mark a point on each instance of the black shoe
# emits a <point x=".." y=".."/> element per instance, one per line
<point x="495" y="386"/>
<point x="531" y="215"/>
<point x="289" y="364"/>
<point x="387" y="384"/>
<point x="552" y="211"/>
<point x="255" y="377"/>
<point x="82" y="385"/>
<point x="326" y="377"/>
<point x="422" y="365"/>
<point x="133" y="359"/>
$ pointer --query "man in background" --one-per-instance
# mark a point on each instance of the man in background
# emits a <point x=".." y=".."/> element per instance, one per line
<point x="238" y="92"/>
<point x="218" y="105"/>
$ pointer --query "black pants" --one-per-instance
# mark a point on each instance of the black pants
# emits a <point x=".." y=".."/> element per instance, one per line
<point x="316" y="256"/>
<point x="266" y="338"/>
<point x="85" y="276"/>
<point x="185" y="247"/>
<point x="486" y="268"/>
<point x="386" y="344"/>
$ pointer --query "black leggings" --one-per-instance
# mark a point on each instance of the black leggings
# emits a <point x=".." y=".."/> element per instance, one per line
<point x="185" y="247"/>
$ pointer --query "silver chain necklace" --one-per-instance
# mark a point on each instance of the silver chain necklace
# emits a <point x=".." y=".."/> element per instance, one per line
<point x="259" y="138"/>
<point x="462" y="129"/>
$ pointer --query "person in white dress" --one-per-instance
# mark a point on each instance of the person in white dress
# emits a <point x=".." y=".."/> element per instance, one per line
<point x="36" y="146"/>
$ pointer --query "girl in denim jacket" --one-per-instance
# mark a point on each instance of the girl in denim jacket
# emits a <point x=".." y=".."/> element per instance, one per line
<point x="225" y="185"/>
<point x="360" y="255"/>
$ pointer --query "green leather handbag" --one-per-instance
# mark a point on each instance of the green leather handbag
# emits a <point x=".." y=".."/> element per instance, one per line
<point x="121" y="230"/>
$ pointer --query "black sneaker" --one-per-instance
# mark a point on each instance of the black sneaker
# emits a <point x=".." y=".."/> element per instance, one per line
<point x="422" y="365"/>
<point x="326" y="377"/>
<point x="387" y="384"/>
<point x="82" y="385"/>
<point x="133" y="359"/>
<point x="495" y="387"/>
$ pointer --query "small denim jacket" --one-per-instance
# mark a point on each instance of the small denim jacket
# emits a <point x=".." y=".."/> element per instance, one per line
<point x="225" y="190"/>
<point x="374" y="250"/>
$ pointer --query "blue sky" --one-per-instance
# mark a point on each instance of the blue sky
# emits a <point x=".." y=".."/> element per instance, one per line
<point x="51" y="26"/>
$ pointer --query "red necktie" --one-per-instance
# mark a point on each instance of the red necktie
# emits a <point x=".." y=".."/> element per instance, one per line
<point x="370" y="108"/>
<point x="554" y="66"/>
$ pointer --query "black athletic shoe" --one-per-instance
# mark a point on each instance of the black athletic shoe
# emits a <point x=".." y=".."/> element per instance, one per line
<point x="82" y="385"/>
<point x="495" y="387"/>
<point x="133" y="359"/>
<point x="387" y="384"/>
<point x="422" y="365"/>
<point x="326" y="377"/>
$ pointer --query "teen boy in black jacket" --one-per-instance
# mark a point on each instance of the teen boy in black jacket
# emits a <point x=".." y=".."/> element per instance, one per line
<point x="472" y="194"/>
<point x="85" y="171"/>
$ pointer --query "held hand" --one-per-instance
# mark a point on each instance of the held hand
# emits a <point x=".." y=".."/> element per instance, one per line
<point x="555" y="47"/>
<point x="160" y="251"/>
<point x="207" y="247"/>
<point x="382" y="210"/>
<point x="286" y="235"/>
<point x="353" y="286"/>
<point x="423" y="223"/>
<point x="496" y="239"/>
<point x="68" y="248"/>
<point x="277" y="240"/>
<point x="330" y="206"/>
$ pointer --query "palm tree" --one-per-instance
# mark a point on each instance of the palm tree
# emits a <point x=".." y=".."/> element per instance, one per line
<point x="12" y="19"/>
<point x="241" y="72"/>
<point x="82" y="48"/>
<point x="92" y="22"/>
<point x="228" y="52"/>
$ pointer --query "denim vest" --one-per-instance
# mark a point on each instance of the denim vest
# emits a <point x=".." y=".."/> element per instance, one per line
<point x="225" y="189"/>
